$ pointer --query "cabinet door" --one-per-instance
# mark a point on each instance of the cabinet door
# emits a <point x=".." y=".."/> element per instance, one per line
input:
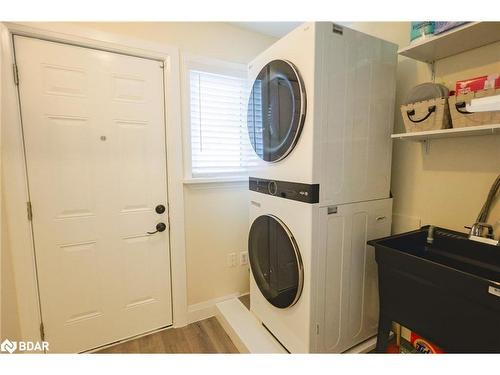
<point x="348" y="288"/>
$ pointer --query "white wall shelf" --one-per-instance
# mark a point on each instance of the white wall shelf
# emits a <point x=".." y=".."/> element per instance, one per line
<point x="454" y="41"/>
<point x="449" y="133"/>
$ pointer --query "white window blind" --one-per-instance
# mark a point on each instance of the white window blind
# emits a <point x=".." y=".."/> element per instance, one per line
<point x="219" y="138"/>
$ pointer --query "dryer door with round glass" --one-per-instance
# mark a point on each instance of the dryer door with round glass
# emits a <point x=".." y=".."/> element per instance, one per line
<point x="276" y="110"/>
<point x="275" y="261"/>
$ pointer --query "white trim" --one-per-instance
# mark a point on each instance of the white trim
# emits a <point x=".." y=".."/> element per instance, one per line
<point x="216" y="66"/>
<point x="216" y="180"/>
<point x="13" y="166"/>
<point x="218" y="185"/>
<point x="206" y="309"/>
<point x="1" y="228"/>
<point x="15" y="195"/>
<point x="94" y="39"/>
<point x="189" y="62"/>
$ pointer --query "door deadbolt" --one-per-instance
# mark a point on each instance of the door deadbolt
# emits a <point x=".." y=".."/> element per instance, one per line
<point x="160" y="209"/>
<point x="160" y="227"/>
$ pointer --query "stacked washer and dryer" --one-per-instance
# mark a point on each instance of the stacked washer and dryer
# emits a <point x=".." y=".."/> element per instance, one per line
<point x="320" y="115"/>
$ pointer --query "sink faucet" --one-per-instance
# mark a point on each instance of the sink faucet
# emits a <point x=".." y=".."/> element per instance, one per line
<point x="476" y="230"/>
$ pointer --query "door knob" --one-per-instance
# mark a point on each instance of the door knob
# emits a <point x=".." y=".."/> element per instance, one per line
<point x="160" y="227"/>
<point x="160" y="209"/>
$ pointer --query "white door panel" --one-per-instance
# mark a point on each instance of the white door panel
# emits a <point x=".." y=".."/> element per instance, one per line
<point x="93" y="126"/>
<point x="347" y="265"/>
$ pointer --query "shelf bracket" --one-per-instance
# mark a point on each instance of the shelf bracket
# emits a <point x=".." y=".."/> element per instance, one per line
<point x="432" y="67"/>
<point x="426" y="146"/>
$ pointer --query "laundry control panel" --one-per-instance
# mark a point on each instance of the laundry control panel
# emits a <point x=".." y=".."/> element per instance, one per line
<point x="308" y="193"/>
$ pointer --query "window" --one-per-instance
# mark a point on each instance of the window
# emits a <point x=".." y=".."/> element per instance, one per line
<point x="219" y="141"/>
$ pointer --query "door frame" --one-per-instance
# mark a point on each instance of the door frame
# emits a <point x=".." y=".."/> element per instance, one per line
<point x="14" y="174"/>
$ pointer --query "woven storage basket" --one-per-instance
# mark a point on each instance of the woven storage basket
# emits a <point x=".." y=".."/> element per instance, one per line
<point x="461" y="118"/>
<point x="433" y="114"/>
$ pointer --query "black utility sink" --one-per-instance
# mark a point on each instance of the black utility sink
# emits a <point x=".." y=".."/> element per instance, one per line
<point x="448" y="291"/>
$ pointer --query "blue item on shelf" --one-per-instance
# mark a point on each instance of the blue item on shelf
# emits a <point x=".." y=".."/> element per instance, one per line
<point x="421" y="30"/>
<point x="442" y="26"/>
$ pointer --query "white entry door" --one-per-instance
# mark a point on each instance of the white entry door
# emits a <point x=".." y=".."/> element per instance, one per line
<point x="93" y="124"/>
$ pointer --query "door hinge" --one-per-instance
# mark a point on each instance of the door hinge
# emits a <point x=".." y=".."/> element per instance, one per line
<point x="42" y="331"/>
<point x="29" y="210"/>
<point x="16" y="74"/>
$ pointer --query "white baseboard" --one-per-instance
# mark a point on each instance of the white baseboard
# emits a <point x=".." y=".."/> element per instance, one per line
<point x="206" y="309"/>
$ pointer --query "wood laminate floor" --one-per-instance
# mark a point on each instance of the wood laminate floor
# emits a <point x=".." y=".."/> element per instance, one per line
<point x="206" y="336"/>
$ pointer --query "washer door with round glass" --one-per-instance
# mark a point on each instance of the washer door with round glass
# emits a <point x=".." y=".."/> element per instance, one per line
<point x="275" y="261"/>
<point x="276" y="110"/>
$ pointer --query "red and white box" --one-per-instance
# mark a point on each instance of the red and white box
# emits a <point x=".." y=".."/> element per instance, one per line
<point x="466" y="86"/>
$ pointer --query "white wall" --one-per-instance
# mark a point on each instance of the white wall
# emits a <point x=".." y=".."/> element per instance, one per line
<point x="216" y="224"/>
<point x="216" y="216"/>
<point x="216" y="40"/>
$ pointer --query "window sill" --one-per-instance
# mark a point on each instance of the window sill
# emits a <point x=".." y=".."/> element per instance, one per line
<point x="215" y="180"/>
